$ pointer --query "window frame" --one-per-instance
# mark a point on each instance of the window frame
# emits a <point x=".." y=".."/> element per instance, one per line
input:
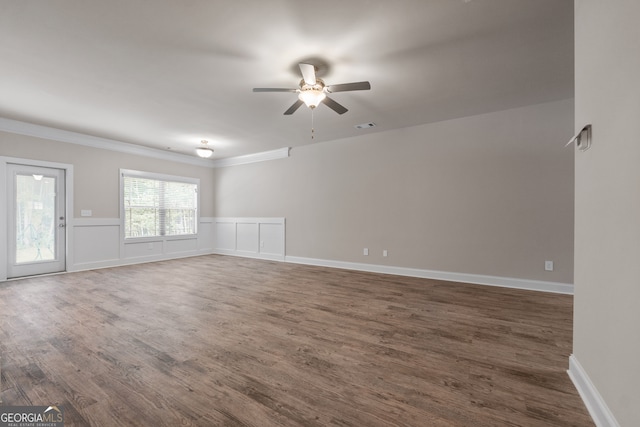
<point x="158" y="177"/>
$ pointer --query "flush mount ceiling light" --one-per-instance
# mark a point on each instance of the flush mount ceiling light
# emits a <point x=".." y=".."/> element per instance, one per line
<point x="204" y="151"/>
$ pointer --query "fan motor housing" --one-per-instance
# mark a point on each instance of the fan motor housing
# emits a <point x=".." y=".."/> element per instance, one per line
<point x="319" y="86"/>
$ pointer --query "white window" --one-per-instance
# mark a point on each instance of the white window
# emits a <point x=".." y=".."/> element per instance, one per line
<point x="154" y="205"/>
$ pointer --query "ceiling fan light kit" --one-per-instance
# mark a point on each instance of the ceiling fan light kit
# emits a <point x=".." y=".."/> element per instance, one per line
<point x="204" y="151"/>
<point x="312" y="91"/>
<point x="312" y="95"/>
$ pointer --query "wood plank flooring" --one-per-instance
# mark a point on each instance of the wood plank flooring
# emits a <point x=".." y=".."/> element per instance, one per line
<point x="224" y="341"/>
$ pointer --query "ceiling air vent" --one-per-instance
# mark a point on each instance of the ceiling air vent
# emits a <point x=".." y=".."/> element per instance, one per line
<point x="365" y="125"/>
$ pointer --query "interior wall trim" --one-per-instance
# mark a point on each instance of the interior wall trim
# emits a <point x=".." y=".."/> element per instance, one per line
<point x="477" y="279"/>
<point x="265" y="257"/>
<point x="54" y="134"/>
<point x="260" y="238"/>
<point x="98" y="245"/>
<point x="280" y="153"/>
<point x="597" y="407"/>
<point x="46" y="132"/>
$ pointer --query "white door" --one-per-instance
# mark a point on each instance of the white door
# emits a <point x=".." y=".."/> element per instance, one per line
<point x="36" y="218"/>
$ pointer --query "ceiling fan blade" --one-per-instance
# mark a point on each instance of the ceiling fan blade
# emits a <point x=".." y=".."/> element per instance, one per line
<point x="349" y="86"/>
<point x="273" y="89"/>
<point x="338" y="108"/>
<point x="293" y="108"/>
<point x="308" y="73"/>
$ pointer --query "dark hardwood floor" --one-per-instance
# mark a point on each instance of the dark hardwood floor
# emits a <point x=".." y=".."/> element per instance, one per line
<point x="224" y="341"/>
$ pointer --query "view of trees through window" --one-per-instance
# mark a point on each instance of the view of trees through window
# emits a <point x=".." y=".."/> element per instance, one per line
<point x="155" y="207"/>
<point x="35" y="218"/>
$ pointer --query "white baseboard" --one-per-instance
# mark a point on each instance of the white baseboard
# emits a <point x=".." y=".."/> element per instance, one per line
<point x="138" y="260"/>
<point x="595" y="404"/>
<point x="505" y="282"/>
<point x="247" y="254"/>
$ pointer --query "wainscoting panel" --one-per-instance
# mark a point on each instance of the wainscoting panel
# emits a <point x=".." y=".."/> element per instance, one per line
<point x="179" y="246"/>
<point x="247" y="237"/>
<point x="224" y="235"/>
<point x="272" y="239"/>
<point x="96" y="244"/>
<point x="205" y="235"/>
<point x="147" y="249"/>
<point x="262" y="238"/>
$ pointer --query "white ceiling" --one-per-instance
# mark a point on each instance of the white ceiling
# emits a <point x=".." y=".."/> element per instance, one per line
<point x="170" y="73"/>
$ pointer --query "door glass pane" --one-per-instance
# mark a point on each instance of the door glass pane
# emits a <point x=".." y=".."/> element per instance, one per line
<point x="35" y="218"/>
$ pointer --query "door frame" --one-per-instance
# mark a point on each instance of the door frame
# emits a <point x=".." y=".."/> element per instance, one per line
<point x="4" y="217"/>
<point x="56" y="261"/>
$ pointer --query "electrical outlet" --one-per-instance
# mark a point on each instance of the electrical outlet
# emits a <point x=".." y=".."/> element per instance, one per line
<point x="365" y="251"/>
<point x="384" y="252"/>
<point x="548" y="265"/>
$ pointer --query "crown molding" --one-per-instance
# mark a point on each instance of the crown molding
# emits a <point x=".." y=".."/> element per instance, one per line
<point x="54" y="134"/>
<point x="279" y="153"/>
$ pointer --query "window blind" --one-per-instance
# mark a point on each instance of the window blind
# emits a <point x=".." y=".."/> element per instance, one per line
<point x="156" y="207"/>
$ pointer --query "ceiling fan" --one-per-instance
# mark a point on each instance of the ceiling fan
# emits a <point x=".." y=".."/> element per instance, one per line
<point x="313" y="91"/>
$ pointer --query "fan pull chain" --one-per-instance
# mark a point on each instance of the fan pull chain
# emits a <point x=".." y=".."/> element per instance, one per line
<point x="312" y="129"/>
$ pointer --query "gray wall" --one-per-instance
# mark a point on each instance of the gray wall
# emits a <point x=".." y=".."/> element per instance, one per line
<point x="607" y="224"/>
<point x="489" y="194"/>
<point x="96" y="171"/>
